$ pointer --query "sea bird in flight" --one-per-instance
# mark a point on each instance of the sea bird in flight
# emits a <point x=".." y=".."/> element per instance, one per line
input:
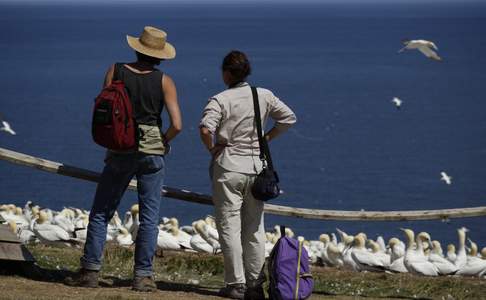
<point x="423" y="46"/>
<point x="397" y="101"/>
<point x="6" y="127"/>
<point x="445" y="177"/>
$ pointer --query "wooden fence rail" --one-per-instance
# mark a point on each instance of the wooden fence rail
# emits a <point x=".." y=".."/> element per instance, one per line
<point x="72" y="171"/>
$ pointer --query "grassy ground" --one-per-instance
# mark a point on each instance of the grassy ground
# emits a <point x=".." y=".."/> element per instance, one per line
<point x="199" y="276"/>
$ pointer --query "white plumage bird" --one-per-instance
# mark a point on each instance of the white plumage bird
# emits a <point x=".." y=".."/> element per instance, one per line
<point x="124" y="238"/>
<point x="167" y="241"/>
<point x="6" y="127"/>
<point x="397" y="101"/>
<point x="436" y="257"/>
<point x="364" y="259"/>
<point x="446" y="178"/>
<point x="415" y="261"/>
<point x="423" y="46"/>
<point x="209" y="234"/>
<point x="451" y="253"/>
<point x="50" y="233"/>
<point x="475" y="266"/>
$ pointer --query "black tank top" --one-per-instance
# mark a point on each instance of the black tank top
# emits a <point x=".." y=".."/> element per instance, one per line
<point x="145" y="92"/>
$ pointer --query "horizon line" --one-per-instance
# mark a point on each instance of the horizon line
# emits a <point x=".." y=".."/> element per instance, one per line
<point x="240" y="2"/>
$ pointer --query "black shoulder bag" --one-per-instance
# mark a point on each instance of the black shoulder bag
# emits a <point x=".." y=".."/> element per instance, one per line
<point x="265" y="186"/>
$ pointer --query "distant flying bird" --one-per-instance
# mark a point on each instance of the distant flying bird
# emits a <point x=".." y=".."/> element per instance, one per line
<point x="423" y="46"/>
<point x="397" y="101"/>
<point x="445" y="177"/>
<point x="6" y="127"/>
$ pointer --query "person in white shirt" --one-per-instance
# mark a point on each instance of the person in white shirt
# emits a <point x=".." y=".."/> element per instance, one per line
<point x="228" y="130"/>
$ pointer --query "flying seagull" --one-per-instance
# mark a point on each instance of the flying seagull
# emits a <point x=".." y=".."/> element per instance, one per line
<point x="6" y="127"/>
<point x="445" y="177"/>
<point x="397" y="101"/>
<point x="423" y="46"/>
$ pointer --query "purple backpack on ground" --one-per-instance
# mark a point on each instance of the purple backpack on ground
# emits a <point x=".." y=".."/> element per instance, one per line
<point x="288" y="268"/>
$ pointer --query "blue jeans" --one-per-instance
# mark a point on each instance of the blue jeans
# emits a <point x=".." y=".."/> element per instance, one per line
<point x="118" y="171"/>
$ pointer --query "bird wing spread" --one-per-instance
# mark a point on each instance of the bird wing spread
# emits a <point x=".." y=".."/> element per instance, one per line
<point x="429" y="52"/>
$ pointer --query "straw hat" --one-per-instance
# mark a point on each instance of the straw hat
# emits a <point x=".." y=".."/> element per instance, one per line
<point x="153" y="43"/>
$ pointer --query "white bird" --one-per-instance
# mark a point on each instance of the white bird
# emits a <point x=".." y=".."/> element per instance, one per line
<point x="379" y="254"/>
<point x="348" y="260"/>
<point x="451" y="253"/>
<point x="398" y="265"/>
<point x="64" y="222"/>
<point x="436" y="257"/>
<point x="6" y="127"/>
<point x="182" y="237"/>
<point x="167" y="223"/>
<point x="475" y="266"/>
<point x="209" y="234"/>
<point x="326" y="240"/>
<point x="270" y="241"/>
<point x="15" y="214"/>
<point x="364" y="259"/>
<point x="200" y="245"/>
<point x="397" y="249"/>
<point x="461" y="256"/>
<point x="415" y="260"/>
<point x="113" y="227"/>
<point x="134" y="222"/>
<point x="50" y="233"/>
<point x="381" y="241"/>
<point x="334" y="255"/>
<point x="124" y="238"/>
<point x="446" y="178"/>
<point x="423" y="46"/>
<point x="397" y="102"/>
<point x="167" y="241"/>
<point x="25" y="235"/>
<point x="342" y="237"/>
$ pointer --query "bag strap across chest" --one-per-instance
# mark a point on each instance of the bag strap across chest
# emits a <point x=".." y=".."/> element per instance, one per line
<point x="264" y="149"/>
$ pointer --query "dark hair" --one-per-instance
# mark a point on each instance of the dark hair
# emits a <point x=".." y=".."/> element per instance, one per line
<point x="148" y="59"/>
<point x="237" y="64"/>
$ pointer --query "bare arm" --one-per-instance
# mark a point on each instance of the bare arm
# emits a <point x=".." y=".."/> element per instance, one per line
<point x="109" y="76"/>
<point x="170" y="96"/>
<point x="272" y="133"/>
<point x="206" y="138"/>
<point x="208" y="141"/>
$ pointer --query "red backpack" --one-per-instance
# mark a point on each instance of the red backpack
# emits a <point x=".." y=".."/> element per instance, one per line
<point x="113" y="126"/>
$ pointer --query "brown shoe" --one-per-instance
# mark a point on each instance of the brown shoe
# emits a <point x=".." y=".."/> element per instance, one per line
<point x="143" y="284"/>
<point x="83" y="278"/>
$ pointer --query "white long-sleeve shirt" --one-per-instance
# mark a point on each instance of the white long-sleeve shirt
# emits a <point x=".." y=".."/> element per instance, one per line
<point x="230" y="116"/>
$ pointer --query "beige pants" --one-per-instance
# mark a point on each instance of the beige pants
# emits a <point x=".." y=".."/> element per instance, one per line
<point x="239" y="219"/>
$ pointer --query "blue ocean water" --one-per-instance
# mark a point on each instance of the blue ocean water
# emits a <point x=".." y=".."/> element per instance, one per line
<point x="336" y="65"/>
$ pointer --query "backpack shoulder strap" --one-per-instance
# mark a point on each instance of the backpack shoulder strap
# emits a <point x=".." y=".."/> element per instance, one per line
<point x="116" y="71"/>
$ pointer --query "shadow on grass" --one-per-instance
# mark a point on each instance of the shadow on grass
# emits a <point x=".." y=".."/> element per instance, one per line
<point x="34" y="272"/>
<point x="185" y="287"/>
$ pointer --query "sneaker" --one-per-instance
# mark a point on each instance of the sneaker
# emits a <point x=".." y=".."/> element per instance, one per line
<point x="143" y="284"/>
<point x="233" y="291"/>
<point x="83" y="278"/>
<point x="255" y="293"/>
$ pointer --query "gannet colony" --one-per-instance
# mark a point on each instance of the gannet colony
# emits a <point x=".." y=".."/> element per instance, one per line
<point x="417" y="254"/>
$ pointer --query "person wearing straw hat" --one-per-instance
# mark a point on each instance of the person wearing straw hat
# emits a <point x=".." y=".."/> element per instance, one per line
<point x="150" y="90"/>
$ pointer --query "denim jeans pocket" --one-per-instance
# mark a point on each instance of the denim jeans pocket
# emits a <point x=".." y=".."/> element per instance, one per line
<point x="151" y="163"/>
